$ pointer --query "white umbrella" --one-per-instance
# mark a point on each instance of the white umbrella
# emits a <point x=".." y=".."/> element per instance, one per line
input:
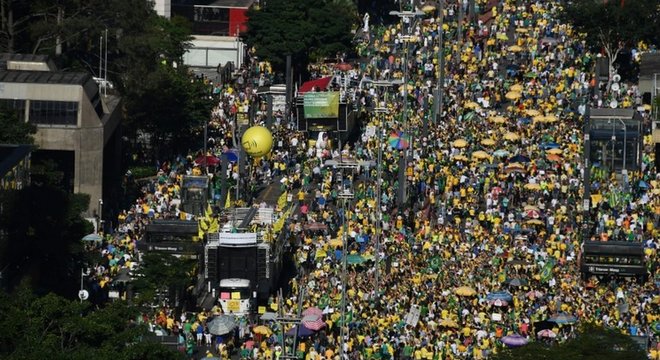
<point x="221" y="325"/>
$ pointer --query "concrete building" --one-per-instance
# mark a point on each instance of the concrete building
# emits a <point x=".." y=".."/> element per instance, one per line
<point x="163" y="8"/>
<point x="76" y="124"/>
<point x="216" y="29"/>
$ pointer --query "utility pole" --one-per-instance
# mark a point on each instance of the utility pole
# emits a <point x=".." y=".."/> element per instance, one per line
<point x="586" y="199"/>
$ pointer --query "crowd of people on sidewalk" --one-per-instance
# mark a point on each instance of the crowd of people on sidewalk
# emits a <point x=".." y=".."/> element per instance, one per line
<point x="486" y="244"/>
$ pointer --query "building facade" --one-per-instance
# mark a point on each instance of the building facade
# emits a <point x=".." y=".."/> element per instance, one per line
<point x="76" y="124"/>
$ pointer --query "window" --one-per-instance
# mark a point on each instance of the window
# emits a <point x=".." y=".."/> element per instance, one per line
<point x="53" y="112"/>
<point x="16" y="105"/>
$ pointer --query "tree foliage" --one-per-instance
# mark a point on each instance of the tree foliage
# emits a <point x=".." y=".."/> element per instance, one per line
<point x="42" y="230"/>
<point x="14" y="131"/>
<point x="161" y="271"/>
<point x="304" y="29"/>
<point x="144" y="59"/>
<point x="52" y="327"/>
<point x="592" y="343"/>
<point x="614" y="25"/>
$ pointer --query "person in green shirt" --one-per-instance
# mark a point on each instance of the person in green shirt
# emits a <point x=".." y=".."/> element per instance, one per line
<point x="408" y="351"/>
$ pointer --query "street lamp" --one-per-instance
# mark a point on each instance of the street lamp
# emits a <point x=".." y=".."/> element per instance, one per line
<point x="438" y="99"/>
<point x="401" y="198"/>
<point x="99" y="224"/>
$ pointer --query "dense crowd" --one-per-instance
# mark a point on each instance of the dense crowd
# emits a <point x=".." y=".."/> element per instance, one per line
<point x="486" y="246"/>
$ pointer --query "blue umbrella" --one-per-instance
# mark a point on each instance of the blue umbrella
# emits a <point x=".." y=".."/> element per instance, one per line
<point x="519" y="159"/>
<point x="549" y="145"/>
<point x="563" y="318"/>
<point x="231" y="155"/>
<point x="300" y="331"/>
<point x="499" y="295"/>
<point x="643" y="184"/>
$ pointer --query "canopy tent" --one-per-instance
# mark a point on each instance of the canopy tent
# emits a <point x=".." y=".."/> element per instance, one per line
<point x="321" y="83"/>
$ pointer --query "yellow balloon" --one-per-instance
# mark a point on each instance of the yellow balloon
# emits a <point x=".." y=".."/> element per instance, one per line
<point x="257" y="141"/>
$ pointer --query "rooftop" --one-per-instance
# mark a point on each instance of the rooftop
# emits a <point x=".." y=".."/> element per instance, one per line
<point x="36" y="69"/>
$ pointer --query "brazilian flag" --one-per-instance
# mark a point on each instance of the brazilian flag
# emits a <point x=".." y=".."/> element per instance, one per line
<point x="546" y="272"/>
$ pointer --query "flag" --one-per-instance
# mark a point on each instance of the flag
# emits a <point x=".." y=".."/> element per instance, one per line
<point x="228" y="201"/>
<point x="546" y="272"/>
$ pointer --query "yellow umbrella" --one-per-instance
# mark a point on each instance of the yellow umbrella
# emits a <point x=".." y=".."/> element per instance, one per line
<point x="515" y="48"/>
<point x="460" y="158"/>
<point x="539" y="118"/>
<point x="555" y="151"/>
<point x="465" y="291"/>
<point x="448" y="323"/>
<point x="532" y="112"/>
<point x="471" y="105"/>
<point x="516" y="87"/>
<point x="262" y="330"/>
<point x="550" y="118"/>
<point x="511" y="136"/>
<point x="516" y="165"/>
<point x="522" y="30"/>
<point x="513" y="95"/>
<point x="480" y="155"/>
<point x="335" y="242"/>
<point x="534" y="222"/>
<point x="487" y="142"/>
<point x="499" y="119"/>
<point x="531" y="186"/>
<point x="460" y="143"/>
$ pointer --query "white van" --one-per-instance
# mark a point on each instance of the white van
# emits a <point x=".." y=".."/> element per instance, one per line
<point x="234" y="296"/>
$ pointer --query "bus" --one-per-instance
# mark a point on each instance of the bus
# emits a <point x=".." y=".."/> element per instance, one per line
<point x="235" y="296"/>
<point x="614" y="258"/>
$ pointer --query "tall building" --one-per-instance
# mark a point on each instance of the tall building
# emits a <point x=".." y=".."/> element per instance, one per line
<point x="76" y="124"/>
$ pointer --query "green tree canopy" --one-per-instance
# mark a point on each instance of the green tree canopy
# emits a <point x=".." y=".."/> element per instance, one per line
<point x="163" y="271"/>
<point x="14" y="131"/>
<point x="304" y="29"/>
<point x="52" y="327"/>
<point x="614" y="25"/>
<point x="42" y="231"/>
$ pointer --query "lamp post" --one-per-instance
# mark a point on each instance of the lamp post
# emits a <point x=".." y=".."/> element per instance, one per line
<point x="99" y="225"/>
<point x="625" y="141"/>
<point x="438" y="99"/>
<point x="379" y="172"/>
<point x="401" y="198"/>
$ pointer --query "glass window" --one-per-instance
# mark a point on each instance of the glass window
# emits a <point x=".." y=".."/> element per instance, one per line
<point x="53" y="112"/>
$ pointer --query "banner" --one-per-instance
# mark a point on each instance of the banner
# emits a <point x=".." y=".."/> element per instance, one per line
<point x="320" y="105"/>
<point x="237" y="239"/>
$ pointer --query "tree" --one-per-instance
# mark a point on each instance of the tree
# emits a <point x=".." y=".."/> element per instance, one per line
<point x="592" y="343"/>
<point x="614" y="25"/>
<point x="303" y="29"/>
<point x="52" y="327"/>
<point x="164" y="272"/>
<point x="14" y="131"/>
<point x="43" y="228"/>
